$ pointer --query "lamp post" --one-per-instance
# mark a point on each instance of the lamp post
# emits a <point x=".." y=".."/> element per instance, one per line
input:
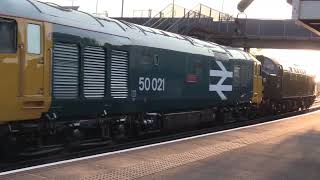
<point x="122" y="8"/>
<point x="172" y="8"/>
<point x="97" y="6"/>
<point x="222" y="6"/>
<point x="72" y="2"/>
<point x="244" y="4"/>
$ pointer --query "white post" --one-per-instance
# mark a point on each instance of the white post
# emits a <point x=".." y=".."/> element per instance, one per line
<point x="122" y="8"/>
<point x="172" y="8"/>
<point x="222" y="9"/>
<point x="222" y="6"/>
<point x="97" y="7"/>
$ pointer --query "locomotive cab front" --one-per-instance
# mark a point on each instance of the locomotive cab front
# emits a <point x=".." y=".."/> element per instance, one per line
<point x="272" y="77"/>
<point x="23" y="93"/>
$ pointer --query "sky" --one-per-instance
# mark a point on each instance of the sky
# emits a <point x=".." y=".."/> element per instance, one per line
<point x="261" y="9"/>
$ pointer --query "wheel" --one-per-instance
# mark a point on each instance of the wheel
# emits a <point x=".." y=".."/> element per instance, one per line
<point x="10" y="149"/>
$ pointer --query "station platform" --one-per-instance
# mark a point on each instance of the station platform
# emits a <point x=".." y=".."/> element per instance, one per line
<point x="284" y="149"/>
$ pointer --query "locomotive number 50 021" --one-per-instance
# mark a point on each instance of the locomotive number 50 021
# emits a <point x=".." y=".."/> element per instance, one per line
<point x="151" y="84"/>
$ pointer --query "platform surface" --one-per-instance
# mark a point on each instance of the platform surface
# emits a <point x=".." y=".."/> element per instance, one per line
<point x="286" y="149"/>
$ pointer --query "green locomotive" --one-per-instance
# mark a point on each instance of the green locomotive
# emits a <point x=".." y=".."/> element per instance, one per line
<point x="286" y="88"/>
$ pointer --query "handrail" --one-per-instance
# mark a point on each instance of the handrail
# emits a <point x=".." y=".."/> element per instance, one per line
<point x="157" y="24"/>
<point x="114" y="21"/>
<point x="152" y="25"/>
<point x="186" y="16"/>
<point x="159" y="13"/>
<point x="35" y="6"/>
<point x="201" y="12"/>
<point x="92" y="17"/>
<point x="160" y="19"/>
<point x="56" y="6"/>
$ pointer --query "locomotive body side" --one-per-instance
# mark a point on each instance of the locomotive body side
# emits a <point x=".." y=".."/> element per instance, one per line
<point x="297" y="83"/>
<point x="134" y="78"/>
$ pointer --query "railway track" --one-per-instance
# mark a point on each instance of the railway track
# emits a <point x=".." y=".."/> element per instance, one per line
<point x="22" y="163"/>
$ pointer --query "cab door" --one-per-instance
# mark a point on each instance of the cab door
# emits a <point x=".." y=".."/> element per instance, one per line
<point x="33" y="65"/>
<point x="257" y="83"/>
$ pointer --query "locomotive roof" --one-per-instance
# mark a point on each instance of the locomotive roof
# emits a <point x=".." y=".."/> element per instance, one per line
<point x="131" y="34"/>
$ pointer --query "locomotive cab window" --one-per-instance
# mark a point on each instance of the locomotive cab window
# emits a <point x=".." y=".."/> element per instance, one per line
<point x="269" y="67"/>
<point x="259" y="70"/>
<point x="8" y="40"/>
<point x="34" y="39"/>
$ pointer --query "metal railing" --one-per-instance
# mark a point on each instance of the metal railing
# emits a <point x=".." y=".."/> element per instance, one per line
<point x="198" y="15"/>
<point x="172" y="15"/>
<point x="256" y="28"/>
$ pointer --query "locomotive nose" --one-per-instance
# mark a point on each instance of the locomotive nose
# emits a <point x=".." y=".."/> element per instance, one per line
<point x="22" y="62"/>
<point x="8" y="67"/>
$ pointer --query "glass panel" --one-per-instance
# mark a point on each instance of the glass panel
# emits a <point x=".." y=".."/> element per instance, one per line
<point x="195" y="67"/>
<point x="34" y="39"/>
<point x="8" y="40"/>
<point x="236" y="76"/>
<point x="236" y="54"/>
<point x="269" y="67"/>
<point x="244" y="75"/>
<point x="248" y="57"/>
<point x="260" y="73"/>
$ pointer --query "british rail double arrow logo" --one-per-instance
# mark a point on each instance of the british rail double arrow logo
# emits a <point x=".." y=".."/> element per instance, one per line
<point x="219" y="87"/>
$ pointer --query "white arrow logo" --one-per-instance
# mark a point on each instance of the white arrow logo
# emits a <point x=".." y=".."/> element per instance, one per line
<point x="224" y="74"/>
